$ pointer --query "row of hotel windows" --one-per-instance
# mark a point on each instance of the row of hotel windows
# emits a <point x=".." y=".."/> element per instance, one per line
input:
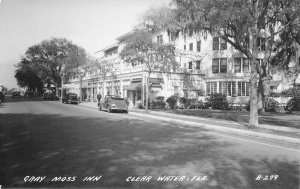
<point x="221" y="44"/>
<point x="190" y="64"/>
<point x="228" y="88"/>
<point x="218" y="44"/>
<point x="219" y="65"/>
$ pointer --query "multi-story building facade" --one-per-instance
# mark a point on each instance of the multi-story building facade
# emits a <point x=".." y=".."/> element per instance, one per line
<point x="207" y="64"/>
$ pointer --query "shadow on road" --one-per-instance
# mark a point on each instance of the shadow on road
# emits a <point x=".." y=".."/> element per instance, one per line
<point x="56" y="145"/>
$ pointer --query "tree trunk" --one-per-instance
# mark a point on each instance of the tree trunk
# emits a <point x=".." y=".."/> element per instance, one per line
<point x="80" y="90"/>
<point x="261" y="95"/>
<point x="147" y="92"/>
<point x="253" y="120"/>
<point x="112" y="88"/>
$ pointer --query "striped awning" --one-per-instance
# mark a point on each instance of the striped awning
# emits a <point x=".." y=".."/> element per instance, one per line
<point x="156" y="80"/>
<point x="136" y="80"/>
<point x="134" y="86"/>
<point x="155" y="85"/>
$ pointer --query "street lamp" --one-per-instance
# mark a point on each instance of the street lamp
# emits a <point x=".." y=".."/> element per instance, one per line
<point x="62" y="75"/>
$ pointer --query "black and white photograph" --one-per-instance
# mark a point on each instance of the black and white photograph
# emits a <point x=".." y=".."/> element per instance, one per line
<point x="150" y="94"/>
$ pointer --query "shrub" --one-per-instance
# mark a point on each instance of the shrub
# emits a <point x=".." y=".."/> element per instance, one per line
<point x="201" y="105"/>
<point x="183" y="101"/>
<point x="271" y="105"/>
<point x="294" y="92"/>
<point x="217" y="101"/>
<point x="293" y="104"/>
<point x="192" y="103"/>
<point x="172" y="101"/>
<point x="139" y="104"/>
<point x="158" y="104"/>
<point x="248" y="106"/>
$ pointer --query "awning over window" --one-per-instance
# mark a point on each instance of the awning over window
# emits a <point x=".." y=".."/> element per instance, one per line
<point x="274" y="83"/>
<point x="136" y="80"/>
<point x="155" y="85"/>
<point x="134" y="86"/>
<point x="156" y="80"/>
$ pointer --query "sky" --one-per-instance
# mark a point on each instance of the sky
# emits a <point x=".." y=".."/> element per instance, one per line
<point x="91" y="24"/>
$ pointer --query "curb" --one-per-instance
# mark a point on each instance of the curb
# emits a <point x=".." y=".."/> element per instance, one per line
<point x="214" y="127"/>
<point x="264" y="126"/>
<point x="223" y="129"/>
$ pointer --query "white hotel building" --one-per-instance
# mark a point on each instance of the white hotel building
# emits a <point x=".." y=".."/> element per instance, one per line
<point x="207" y="65"/>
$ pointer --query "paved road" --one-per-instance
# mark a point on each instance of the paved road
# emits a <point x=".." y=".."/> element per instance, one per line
<point x="47" y="139"/>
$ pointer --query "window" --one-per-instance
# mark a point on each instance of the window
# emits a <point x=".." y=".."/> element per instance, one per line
<point x="190" y="33"/>
<point x="237" y="65"/>
<point x="247" y="41"/>
<point x="191" y="46"/>
<point x="219" y="43"/>
<point x="243" y="88"/>
<point x="219" y="65"/>
<point x="190" y="65"/>
<point x="160" y="39"/>
<point x="246" y="65"/>
<point x="211" y="88"/>
<point x="223" y="44"/>
<point x="223" y="65"/>
<point x="223" y="87"/>
<point x="273" y="89"/>
<point x="231" y="88"/>
<point x="261" y="43"/>
<point x="198" y="64"/>
<point x="176" y="90"/>
<point x="172" y="36"/>
<point x="216" y="43"/>
<point x="198" y="46"/>
<point x="215" y="66"/>
<point x="259" y="61"/>
<point x="184" y="47"/>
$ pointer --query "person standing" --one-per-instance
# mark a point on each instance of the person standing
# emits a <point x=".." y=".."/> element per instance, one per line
<point x="99" y="98"/>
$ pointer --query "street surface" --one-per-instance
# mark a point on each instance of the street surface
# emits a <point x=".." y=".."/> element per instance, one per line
<point x="44" y="140"/>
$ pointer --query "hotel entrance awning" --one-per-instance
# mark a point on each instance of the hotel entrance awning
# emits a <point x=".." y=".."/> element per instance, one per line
<point x="134" y="86"/>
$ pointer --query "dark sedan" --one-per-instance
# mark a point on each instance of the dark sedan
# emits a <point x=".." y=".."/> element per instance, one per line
<point x="70" y="98"/>
<point x="16" y="94"/>
<point x="113" y="103"/>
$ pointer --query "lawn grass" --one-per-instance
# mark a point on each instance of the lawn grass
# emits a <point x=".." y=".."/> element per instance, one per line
<point x="287" y="119"/>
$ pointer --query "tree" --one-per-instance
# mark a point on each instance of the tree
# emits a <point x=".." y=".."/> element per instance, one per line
<point x="243" y="24"/>
<point x="51" y="59"/>
<point x="27" y="77"/>
<point x="140" y="48"/>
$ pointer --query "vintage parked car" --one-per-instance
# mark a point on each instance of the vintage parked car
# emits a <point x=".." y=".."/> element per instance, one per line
<point x="28" y="94"/>
<point x="71" y="98"/>
<point x="49" y="96"/>
<point x="113" y="103"/>
<point x="16" y="94"/>
<point x="2" y="97"/>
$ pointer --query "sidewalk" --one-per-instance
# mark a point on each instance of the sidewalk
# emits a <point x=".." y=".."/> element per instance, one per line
<point x="286" y="134"/>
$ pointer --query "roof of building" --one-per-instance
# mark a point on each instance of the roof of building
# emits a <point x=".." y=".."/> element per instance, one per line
<point x="125" y="36"/>
<point x="108" y="48"/>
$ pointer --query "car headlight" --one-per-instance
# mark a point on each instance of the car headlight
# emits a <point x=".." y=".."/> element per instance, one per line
<point x="113" y="105"/>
